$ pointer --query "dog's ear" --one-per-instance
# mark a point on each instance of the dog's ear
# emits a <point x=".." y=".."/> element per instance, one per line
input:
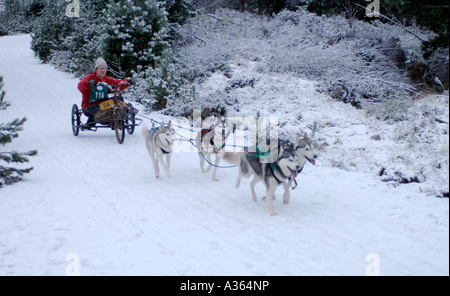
<point x="297" y="140"/>
<point x="301" y="134"/>
<point x="170" y="126"/>
<point x="280" y="149"/>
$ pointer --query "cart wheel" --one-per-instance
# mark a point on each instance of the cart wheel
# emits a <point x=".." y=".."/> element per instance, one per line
<point x="130" y="122"/>
<point x="119" y="125"/>
<point x="76" y="122"/>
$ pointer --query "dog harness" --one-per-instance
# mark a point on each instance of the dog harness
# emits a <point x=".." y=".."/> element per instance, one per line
<point x="164" y="151"/>
<point x="272" y="167"/>
<point x="154" y="131"/>
<point x="204" y="132"/>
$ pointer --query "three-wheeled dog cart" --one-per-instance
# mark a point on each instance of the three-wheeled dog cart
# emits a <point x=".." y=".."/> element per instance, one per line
<point x="114" y="113"/>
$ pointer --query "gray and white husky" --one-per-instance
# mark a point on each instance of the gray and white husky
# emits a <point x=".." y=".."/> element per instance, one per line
<point x="284" y="166"/>
<point x="212" y="141"/>
<point x="159" y="142"/>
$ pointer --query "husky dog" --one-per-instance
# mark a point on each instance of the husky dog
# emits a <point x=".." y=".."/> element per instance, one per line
<point x="305" y="152"/>
<point x="212" y="141"/>
<point x="283" y="166"/>
<point x="159" y="142"/>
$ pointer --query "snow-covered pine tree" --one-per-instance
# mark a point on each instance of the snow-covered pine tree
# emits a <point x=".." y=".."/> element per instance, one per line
<point x="179" y="10"/>
<point x="85" y="44"/>
<point x="164" y="85"/>
<point x="9" y="131"/>
<point x="17" y="16"/>
<point x="50" y="30"/>
<point x="138" y="43"/>
<point x="137" y="34"/>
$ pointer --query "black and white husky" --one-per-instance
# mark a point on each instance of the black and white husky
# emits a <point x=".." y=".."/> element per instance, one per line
<point x="159" y="142"/>
<point x="280" y="166"/>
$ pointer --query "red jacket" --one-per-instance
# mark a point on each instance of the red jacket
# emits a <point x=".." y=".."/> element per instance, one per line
<point x="85" y="87"/>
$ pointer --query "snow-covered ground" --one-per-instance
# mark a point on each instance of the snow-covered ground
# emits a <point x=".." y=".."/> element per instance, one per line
<point x="92" y="203"/>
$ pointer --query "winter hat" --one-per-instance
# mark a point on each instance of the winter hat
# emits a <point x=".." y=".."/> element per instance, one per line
<point x="100" y="62"/>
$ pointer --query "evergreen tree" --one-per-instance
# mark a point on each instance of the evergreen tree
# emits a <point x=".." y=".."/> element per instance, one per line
<point x="162" y="85"/>
<point x="179" y="10"/>
<point x="137" y="34"/>
<point x="85" y="43"/>
<point x="9" y="131"/>
<point x="50" y="30"/>
<point x="138" y="43"/>
<point x="18" y="15"/>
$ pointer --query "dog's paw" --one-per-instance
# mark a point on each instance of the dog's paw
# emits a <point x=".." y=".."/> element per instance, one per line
<point x="273" y="213"/>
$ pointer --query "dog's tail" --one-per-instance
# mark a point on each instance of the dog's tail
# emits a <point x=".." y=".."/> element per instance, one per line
<point x="231" y="157"/>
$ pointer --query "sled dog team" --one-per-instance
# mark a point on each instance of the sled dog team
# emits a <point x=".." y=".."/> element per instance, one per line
<point x="274" y="164"/>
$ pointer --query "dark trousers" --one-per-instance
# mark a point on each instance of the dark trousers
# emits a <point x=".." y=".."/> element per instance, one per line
<point x="89" y="112"/>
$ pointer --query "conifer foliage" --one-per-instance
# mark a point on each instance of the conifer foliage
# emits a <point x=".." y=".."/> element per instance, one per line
<point x="50" y="30"/>
<point x="136" y="34"/>
<point x="9" y="131"/>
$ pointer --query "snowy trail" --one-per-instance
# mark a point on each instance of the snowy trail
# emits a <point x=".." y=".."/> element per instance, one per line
<point x="89" y="196"/>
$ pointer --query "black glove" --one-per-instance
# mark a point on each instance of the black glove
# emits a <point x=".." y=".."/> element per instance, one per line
<point x="92" y="82"/>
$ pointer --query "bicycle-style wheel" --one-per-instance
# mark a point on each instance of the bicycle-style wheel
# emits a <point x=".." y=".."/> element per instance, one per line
<point x="130" y="122"/>
<point x="76" y="121"/>
<point x="119" y="125"/>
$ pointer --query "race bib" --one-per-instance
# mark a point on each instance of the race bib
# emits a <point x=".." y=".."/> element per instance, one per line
<point x="98" y="92"/>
